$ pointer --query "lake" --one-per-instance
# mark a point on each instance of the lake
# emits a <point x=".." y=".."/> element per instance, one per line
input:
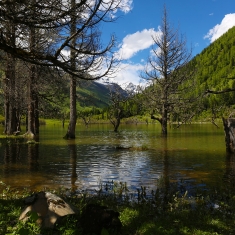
<point x="192" y="156"/>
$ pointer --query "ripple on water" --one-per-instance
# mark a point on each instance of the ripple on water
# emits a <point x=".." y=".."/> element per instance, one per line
<point x="94" y="159"/>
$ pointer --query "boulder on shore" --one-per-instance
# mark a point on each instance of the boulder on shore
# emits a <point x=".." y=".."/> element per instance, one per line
<point x="52" y="210"/>
<point x="49" y="208"/>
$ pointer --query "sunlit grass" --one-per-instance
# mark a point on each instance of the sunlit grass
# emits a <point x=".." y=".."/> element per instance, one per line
<point x="128" y="215"/>
<point x="174" y="216"/>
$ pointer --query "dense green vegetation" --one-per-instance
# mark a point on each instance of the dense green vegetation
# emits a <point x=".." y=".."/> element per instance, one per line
<point x="216" y="63"/>
<point x="215" y="70"/>
<point x="165" y="212"/>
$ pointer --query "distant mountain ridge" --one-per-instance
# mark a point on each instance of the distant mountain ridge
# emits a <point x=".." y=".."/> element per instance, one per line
<point x="94" y="93"/>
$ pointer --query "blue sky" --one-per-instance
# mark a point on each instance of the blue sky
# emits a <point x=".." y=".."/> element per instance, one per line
<point x="200" y="21"/>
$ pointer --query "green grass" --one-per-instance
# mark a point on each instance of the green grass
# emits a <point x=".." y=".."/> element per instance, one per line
<point x="171" y="214"/>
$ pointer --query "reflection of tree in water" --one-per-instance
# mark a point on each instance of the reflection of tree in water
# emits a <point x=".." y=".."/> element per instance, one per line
<point x="33" y="155"/>
<point x="12" y="150"/>
<point x="229" y="176"/>
<point x="73" y="161"/>
<point x="15" y="151"/>
<point x="166" y="180"/>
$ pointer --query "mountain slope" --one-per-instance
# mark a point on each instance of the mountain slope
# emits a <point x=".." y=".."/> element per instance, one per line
<point x="216" y="64"/>
<point x="93" y="93"/>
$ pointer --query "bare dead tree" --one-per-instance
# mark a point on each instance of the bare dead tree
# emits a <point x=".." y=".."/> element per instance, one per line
<point x="117" y="99"/>
<point x="85" y="116"/>
<point x="54" y="18"/>
<point x="168" y="73"/>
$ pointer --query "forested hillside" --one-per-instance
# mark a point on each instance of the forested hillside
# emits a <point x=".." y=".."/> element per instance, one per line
<point x="215" y="71"/>
<point x="216" y="63"/>
<point x="93" y="94"/>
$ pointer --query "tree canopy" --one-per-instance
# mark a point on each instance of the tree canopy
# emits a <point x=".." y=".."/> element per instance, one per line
<point x="53" y="21"/>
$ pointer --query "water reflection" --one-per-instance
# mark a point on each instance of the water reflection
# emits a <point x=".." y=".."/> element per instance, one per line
<point x="229" y="175"/>
<point x="193" y="156"/>
<point x="33" y="155"/>
<point x="166" y="170"/>
<point x="73" y="161"/>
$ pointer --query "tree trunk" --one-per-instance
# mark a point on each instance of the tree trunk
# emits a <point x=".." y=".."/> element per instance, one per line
<point x="10" y="102"/>
<point x="229" y="130"/>
<point x="12" y="107"/>
<point x="10" y="89"/>
<point x="117" y="123"/>
<point x="32" y="127"/>
<point x="6" y="103"/>
<point x="36" y="114"/>
<point x="31" y="104"/>
<point x="164" y="121"/>
<point x="73" y="111"/>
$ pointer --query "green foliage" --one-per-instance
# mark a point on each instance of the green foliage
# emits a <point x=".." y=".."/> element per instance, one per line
<point x="2" y="119"/>
<point x="215" y="67"/>
<point x="69" y="226"/>
<point x="163" y="212"/>
<point x="25" y="228"/>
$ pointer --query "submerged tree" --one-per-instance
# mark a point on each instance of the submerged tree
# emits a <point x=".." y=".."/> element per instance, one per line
<point x="168" y="72"/>
<point x="118" y="99"/>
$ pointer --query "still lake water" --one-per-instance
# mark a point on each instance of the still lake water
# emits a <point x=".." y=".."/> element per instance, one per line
<point x="193" y="155"/>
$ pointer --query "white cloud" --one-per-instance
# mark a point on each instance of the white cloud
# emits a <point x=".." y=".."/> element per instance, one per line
<point x="133" y="43"/>
<point x="227" y="23"/>
<point x="126" y="5"/>
<point x="127" y="73"/>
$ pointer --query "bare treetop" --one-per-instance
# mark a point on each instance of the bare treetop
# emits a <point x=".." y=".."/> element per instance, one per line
<point x="168" y="72"/>
<point x="53" y="20"/>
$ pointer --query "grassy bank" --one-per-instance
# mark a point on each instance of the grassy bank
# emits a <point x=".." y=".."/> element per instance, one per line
<point x="162" y="212"/>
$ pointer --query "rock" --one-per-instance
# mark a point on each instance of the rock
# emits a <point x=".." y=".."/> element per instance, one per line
<point x="122" y="147"/>
<point x="95" y="217"/>
<point x="49" y="208"/>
